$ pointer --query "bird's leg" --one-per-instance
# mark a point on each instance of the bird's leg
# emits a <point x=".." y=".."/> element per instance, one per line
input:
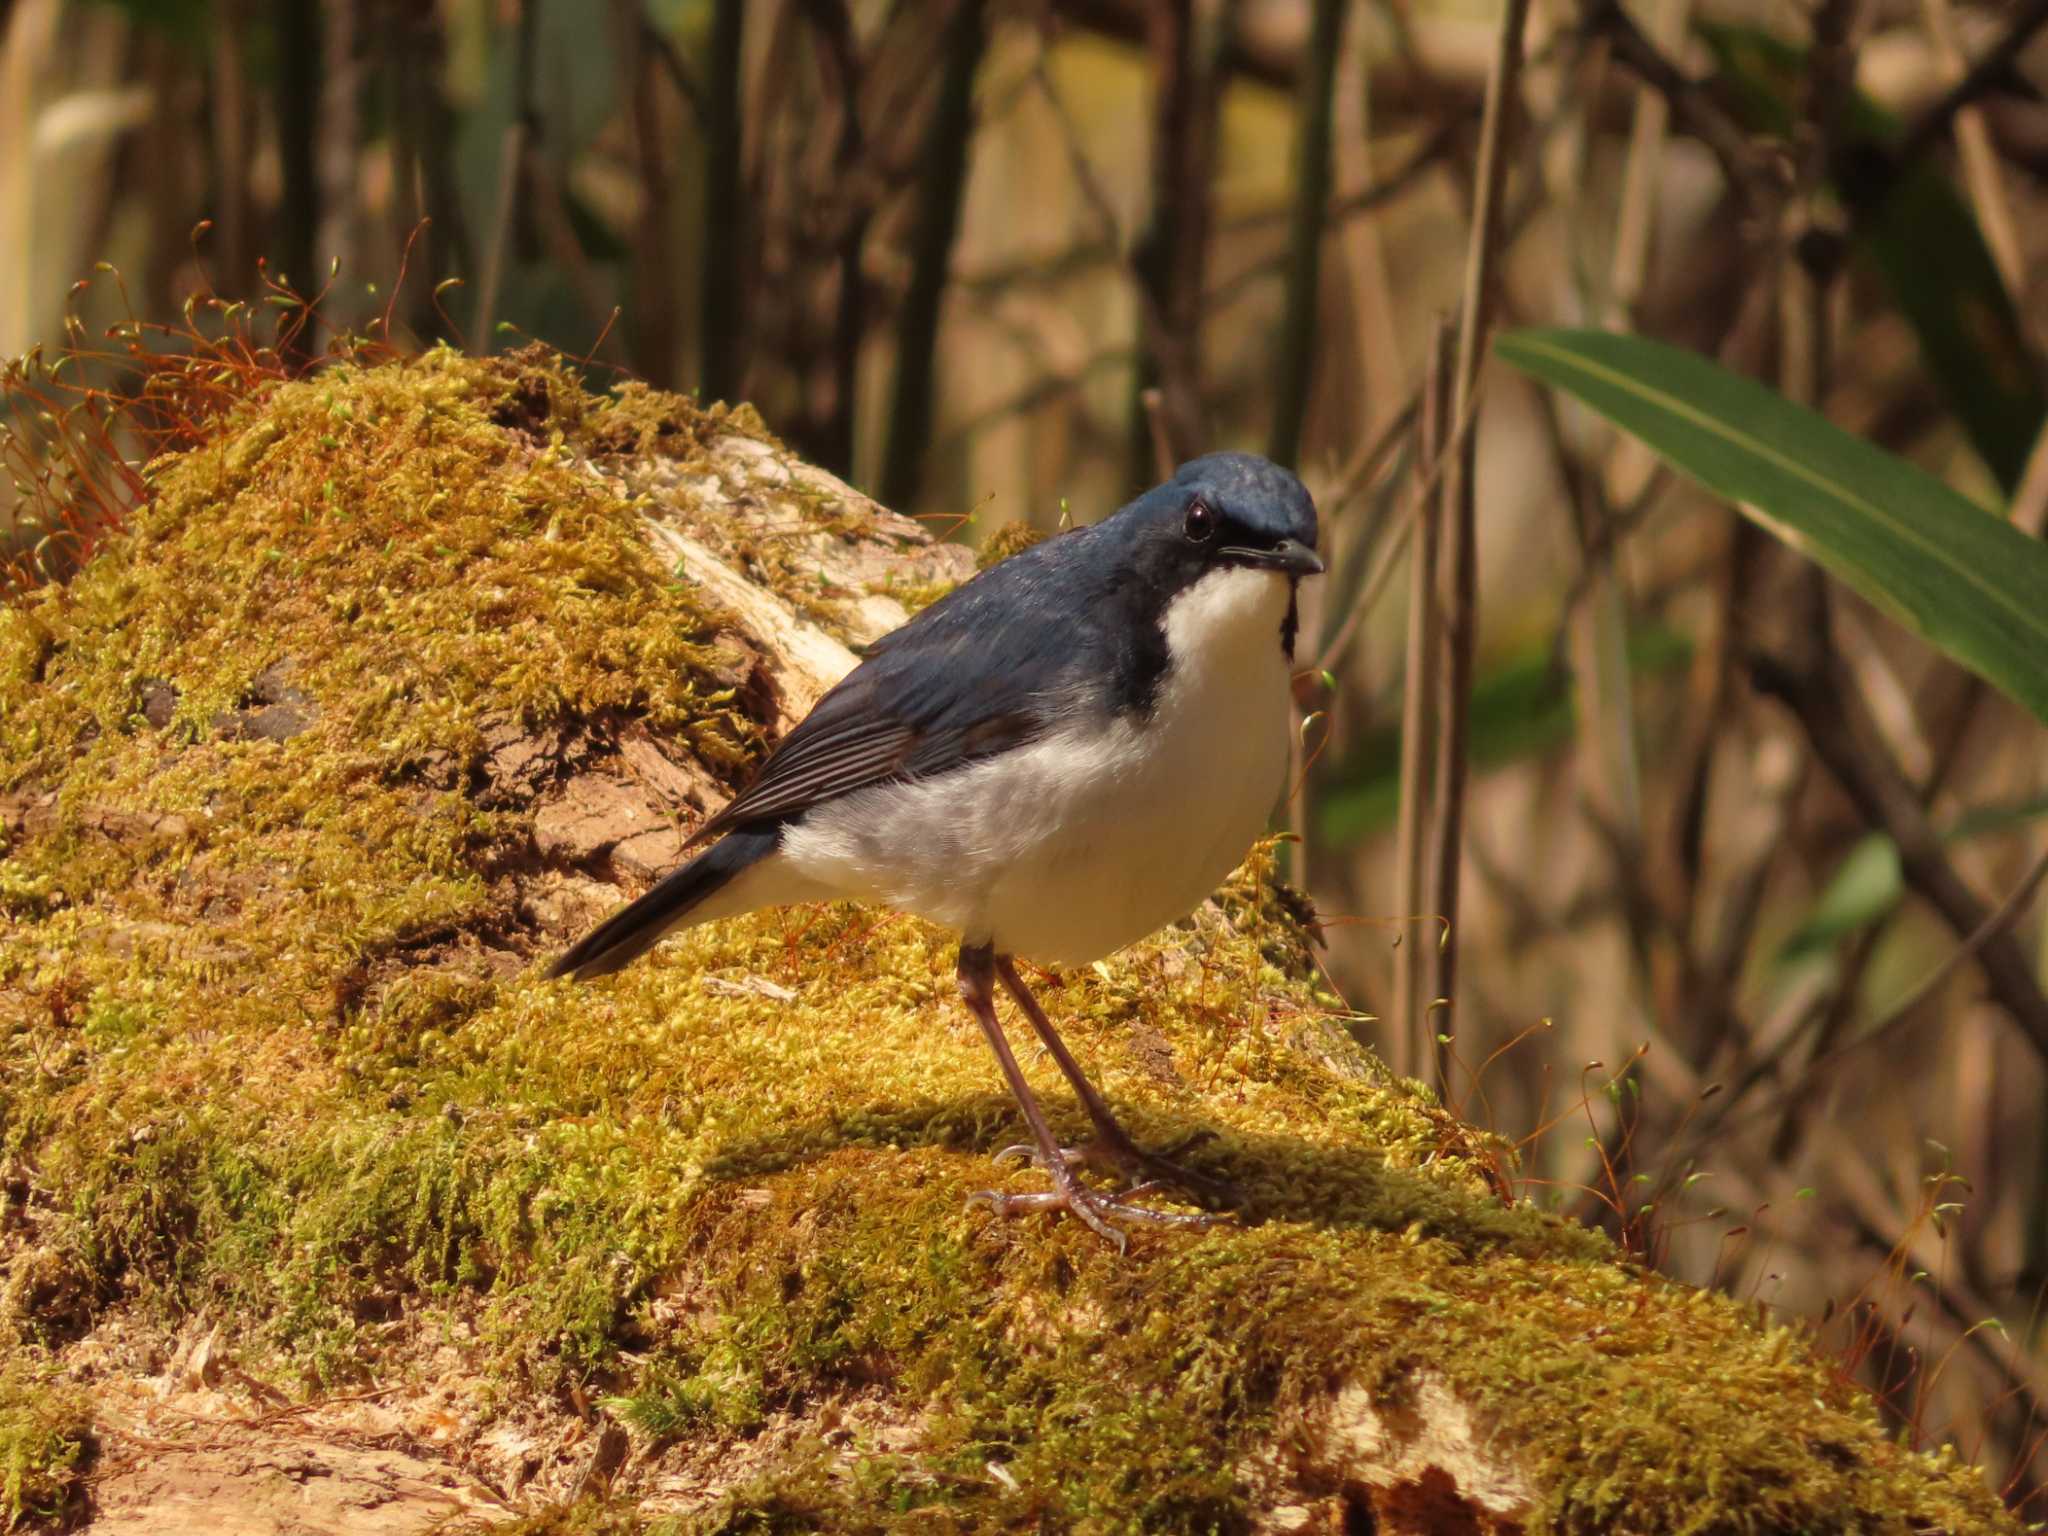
<point x="1112" y="1145"/>
<point x="977" y="990"/>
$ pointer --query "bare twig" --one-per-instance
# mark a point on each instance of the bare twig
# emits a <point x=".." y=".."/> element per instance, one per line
<point x="938" y="221"/>
<point x="1435" y="469"/>
<point x="1158" y="432"/>
<point x="832" y="23"/>
<point x="2030" y="500"/>
<point x="1419" y="703"/>
<point x="720" y="319"/>
<point x="513" y="155"/>
<point x="679" y="72"/>
<point x="298" y="100"/>
<point x="1882" y="794"/>
<point x="233" y="129"/>
<point x="1641" y="178"/>
<point x="1747" y="168"/>
<point x="1373" y="306"/>
<point x="1426" y="157"/>
<point x="1039" y="391"/>
<point x="1296" y="352"/>
<point x="1371" y="457"/>
<point x="1985" y="76"/>
<point x="1980" y="160"/>
<point x="654" y="329"/>
<point x="1151" y="320"/>
<point x="2009" y="911"/>
<point x="447" y="232"/>
<point x="1171" y="257"/>
<point x="337" y="236"/>
<point x="1458" y="571"/>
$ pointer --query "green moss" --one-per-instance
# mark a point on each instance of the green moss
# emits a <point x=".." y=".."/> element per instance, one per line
<point x="586" y="1517"/>
<point x="273" y="1039"/>
<point x="918" y="596"/>
<point x="1010" y="539"/>
<point x="45" y="1437"/>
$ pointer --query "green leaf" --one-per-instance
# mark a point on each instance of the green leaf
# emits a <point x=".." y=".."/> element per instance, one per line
<point x="1998" y="818"/>
<point x="1868" y="884"/>
<point x="1919" y="236"/>
<point x="1967" y="581"/>
<point x="1865" y="888"/>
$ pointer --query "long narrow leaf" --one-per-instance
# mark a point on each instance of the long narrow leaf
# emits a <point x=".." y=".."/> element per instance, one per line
<point x="1969" y="582"/>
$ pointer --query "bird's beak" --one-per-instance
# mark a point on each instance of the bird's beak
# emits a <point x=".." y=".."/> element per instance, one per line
<point x="1290" y="557"/>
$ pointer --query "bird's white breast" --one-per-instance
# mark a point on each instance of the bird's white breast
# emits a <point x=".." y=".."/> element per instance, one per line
<point x="1101" y="831"/>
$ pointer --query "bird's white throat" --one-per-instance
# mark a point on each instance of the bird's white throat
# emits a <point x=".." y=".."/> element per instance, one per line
<point x="1227" y="614"/>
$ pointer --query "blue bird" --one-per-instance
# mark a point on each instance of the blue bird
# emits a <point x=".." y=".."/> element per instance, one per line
<point x="1065" y="754"/>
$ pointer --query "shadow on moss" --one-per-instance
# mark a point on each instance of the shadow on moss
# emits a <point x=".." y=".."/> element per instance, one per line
<point x="1285" y="1178"/>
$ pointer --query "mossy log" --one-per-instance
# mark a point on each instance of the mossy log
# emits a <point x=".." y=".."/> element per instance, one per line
<point x="418" y="668"/>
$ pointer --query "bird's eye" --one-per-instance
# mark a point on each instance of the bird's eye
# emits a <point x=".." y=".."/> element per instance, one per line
<point x="1202" y="521"/>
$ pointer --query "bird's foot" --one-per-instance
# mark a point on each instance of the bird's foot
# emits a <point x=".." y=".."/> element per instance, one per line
<point x="1096" y="1211"/>
<point x="1140" y="1166"/>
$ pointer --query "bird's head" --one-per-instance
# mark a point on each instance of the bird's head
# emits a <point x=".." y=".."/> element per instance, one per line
<point x="1218" y="550"/>
<point x="1240" y="509"/>
<point x="1221" y="512"/>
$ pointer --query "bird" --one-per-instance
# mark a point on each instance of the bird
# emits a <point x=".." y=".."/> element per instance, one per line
<point x="1066" y="753"/>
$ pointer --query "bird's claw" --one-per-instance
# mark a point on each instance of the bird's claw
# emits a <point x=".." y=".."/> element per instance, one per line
<point x="1094" y="1210"/>
<point x="1149" y="1172"/>
<point x="1135" y="1163"/>
<point x="1024" y="1152"/>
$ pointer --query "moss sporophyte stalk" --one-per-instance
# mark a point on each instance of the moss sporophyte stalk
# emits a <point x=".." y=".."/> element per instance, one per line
<point x="275" y="1050"/>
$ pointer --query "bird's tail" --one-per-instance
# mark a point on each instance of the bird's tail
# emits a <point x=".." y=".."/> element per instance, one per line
<point x="637" y="927"/>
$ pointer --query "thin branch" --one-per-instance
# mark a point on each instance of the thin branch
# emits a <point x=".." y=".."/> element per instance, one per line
<point x="721" y="319"/>
<point x="1042" y="390"/>
<point x="1295" y="362"/>
<point x="1151" y="321"/>
<point x="1419" y="702"/>
<point x="1829" y="1056"/>
<point x="513" y="175"/>
<point x="1989" y="73"/>
<point x="1426" y="157"/>
<point x="838" y="50"/>
<point x="938" y="222"/>
<point x="1171" y="256"/>
<point x="297" y="101"/>
<point x="679" y="72"/>
<point x="653" y="344"/>
<point x="1883" y="796"/>
<point x="1979" y="159"/>
<point x="1747" y="168"/>
<point x="1458" y="586"/>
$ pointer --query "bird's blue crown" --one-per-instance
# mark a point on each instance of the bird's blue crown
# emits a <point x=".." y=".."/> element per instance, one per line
<point x="1251" y="491"/>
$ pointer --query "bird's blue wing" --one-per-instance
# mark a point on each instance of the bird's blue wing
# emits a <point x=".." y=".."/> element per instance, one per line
<point x="978" y="672"/>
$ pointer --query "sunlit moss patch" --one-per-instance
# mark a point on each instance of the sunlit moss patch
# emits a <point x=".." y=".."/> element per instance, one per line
<point x="45" y="1440"/>
<point x="274" y="1046"/>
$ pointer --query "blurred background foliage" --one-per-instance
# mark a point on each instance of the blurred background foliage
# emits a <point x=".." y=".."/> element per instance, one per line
<point x="1762" y="857"/>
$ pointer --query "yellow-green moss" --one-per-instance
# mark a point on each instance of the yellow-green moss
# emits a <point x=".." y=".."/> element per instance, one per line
<point x="45" y="1431"/>
<point x="1009" y="539"/>
<point x="1012" y="538"/>
<point x="273" y="1038"/>
<point x="596" y="1516"/>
